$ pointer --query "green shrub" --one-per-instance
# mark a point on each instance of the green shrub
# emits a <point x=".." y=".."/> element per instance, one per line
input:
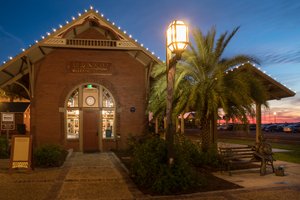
<point x="193" y="154"/>
<point x="49" y="156"/>
<point x="4" y="151"/>
<point x="151" y="171"/>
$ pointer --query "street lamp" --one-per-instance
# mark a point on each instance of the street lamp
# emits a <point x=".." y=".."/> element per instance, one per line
<point x="176" y="43"/>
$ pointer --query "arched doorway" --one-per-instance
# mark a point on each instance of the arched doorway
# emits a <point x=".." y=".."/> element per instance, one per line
<point x="90" y="116"/>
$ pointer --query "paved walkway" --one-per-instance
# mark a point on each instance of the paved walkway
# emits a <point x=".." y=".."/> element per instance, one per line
<point x="101" y="176"/>
<point x="94" y="176"/>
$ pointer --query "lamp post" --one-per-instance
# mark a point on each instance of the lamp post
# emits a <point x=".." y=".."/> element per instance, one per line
<point x="275" y="117"/>
<point x="176" y="43"/>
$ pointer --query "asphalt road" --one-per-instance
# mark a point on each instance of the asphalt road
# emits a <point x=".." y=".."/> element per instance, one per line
<point x="277" y="137"/>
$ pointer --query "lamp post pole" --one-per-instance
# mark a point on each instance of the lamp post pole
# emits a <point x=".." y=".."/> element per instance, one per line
<point x="177" y="40"/>
<point x="275" y="117"/>
<point x="171" y="69"/>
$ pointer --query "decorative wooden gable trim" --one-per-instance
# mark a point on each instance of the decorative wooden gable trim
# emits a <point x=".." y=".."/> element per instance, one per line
<point x="66" y="36"/>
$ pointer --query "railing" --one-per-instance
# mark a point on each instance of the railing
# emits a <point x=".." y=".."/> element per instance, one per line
<point x="89" y="43"/>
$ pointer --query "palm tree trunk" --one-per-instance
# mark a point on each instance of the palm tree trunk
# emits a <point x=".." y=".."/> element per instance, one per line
<point x="205" y="135"/>
<point x="213" y="127"/>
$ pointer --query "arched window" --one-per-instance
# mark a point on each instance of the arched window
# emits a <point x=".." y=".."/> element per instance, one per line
<point x="92" y="97"/>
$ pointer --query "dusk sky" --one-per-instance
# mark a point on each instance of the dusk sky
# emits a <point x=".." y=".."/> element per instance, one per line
<point x="270" y="31"/>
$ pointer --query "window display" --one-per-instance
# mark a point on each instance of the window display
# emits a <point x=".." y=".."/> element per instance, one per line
<point x="108" y="123"/>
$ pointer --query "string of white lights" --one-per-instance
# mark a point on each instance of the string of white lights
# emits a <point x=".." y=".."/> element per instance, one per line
<point x="125" y="32"/>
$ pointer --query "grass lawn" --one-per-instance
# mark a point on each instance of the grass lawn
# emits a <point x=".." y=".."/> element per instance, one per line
<point x="292" y="156"/>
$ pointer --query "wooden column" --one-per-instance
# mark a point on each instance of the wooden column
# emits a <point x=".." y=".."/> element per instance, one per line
<point x="182" y="124"/>
<point x="258" y="122"/>
<point x="165" y="123"/>
<point x="177" y="128"/>
<point x="156" y="125"/>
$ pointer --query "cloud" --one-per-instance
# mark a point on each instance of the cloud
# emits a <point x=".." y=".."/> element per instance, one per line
<point x="4" y="35"/>
<point x="280" y="57"/>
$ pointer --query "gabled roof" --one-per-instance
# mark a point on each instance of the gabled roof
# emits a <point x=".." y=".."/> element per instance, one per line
<point x="13" y="106"/>
<point x="275" y="89"/>
<point x="65" y="37"/>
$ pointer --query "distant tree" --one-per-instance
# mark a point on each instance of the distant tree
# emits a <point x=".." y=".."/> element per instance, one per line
<point x="13" y="92"/>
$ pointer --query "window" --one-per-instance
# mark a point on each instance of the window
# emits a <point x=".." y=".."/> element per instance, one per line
<point x="107" y="99"/>
<point x="73" y="99"/>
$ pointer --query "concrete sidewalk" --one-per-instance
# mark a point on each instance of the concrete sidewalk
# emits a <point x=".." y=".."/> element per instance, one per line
<point x="250" y="178"/>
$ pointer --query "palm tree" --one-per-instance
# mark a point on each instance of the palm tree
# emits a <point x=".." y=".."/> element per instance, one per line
<point x="205" y="81"/>
<point x="213" y="85"/>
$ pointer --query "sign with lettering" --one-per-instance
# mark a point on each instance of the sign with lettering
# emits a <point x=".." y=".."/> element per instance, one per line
<point x="21" y="151"/>
<point x="7" y="121"/>
<point x="90" y="67"/>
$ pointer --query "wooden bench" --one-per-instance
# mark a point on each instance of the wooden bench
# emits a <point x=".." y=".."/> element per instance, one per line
<point x="230" y="156"/>
<point x="236" y="156"/>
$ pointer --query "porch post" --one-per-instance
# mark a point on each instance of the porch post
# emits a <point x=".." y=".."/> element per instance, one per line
<point x="258" y="122"/>
<point x="156" y="125"/>
<point x="177" y="130"/>
<point x="182" y="124"/>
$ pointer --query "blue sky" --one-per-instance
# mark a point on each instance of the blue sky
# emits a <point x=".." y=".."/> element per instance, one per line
<point x="269" y="30"/>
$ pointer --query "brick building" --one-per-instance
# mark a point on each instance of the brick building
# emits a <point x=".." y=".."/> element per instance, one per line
<point x="88" y="85"/>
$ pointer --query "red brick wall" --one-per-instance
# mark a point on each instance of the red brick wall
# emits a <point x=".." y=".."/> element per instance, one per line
<point x="54" y="82"/>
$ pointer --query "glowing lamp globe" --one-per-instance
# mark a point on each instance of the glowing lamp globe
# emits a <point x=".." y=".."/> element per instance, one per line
<point x="177" y="36"/>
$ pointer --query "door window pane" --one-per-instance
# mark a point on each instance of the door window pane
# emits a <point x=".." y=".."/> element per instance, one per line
<point x="108" y="123"/>
<point x="72" y="124"/>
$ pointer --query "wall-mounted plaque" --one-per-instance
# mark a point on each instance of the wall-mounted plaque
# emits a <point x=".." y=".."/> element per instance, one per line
<point x="7" y="121"/>
<point x="21" y="151"/>
<point x="103" y="68"/>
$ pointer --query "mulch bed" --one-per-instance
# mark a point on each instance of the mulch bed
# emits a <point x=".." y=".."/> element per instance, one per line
<point x="213" y="183"/>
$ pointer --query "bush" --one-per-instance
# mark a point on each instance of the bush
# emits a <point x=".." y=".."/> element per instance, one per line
<point x="4" y="150"/>
<point x="193" y="154"/>
<point x="49" y="156"/>
<point x="151" y="171"/>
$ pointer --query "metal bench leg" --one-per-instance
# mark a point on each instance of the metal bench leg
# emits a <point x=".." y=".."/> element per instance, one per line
<point x="272" y="166"/>
<point x="263" y="167"/>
